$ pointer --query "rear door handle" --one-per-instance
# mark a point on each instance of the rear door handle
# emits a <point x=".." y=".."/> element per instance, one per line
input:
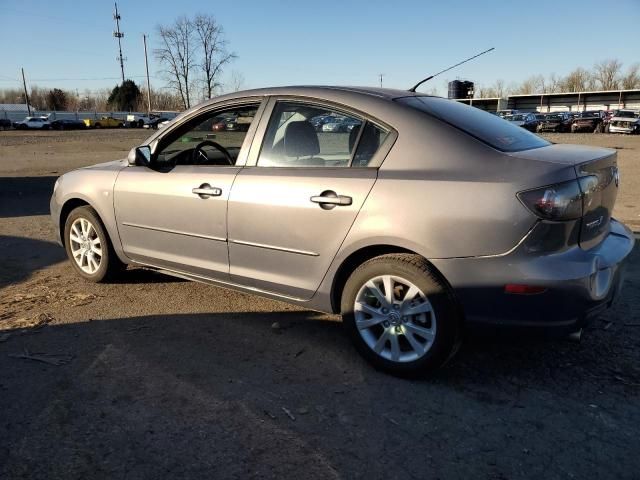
<point x="330" y="199"/>
<point x="205" y="191"/>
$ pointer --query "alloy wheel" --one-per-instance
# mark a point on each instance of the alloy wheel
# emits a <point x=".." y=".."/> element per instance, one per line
<point x="395" y="318"/>
<point x="86" y="247"/>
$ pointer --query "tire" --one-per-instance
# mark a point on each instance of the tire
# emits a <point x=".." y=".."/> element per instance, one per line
<point x="424" y="340"/>
<point x="140" y="123"/>
<point x="97" y="125"/>
<point x="107" y="264"/>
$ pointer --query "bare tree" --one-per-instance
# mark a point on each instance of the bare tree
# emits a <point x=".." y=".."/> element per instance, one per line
<point x="631" y="79"/>
<point x="553" y="85"/>
<point x="236" y="81"/>
<point x="576" y="81"/>
<point x="213" y="51"/>
<point x="177" y="55"/>
<point x="497" y="90"/>
<point x="607" y="74"/>
<point x="533" y="84"/>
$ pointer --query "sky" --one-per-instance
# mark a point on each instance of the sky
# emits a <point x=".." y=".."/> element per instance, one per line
<point x="69" y="44"/>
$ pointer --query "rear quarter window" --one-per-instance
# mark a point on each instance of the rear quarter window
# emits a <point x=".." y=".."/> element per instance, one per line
<point x="490" y="129"/>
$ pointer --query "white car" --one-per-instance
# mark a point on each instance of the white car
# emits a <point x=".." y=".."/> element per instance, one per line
<point x="625" y="121"/>
<point x="40" y="123"/>
<point x="139" y="121"/>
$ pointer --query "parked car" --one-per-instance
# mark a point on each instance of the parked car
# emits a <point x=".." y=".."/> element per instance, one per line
<point x="5" y="124"/>
<point x="64" y="124"/>
<point x="508" y="111"/>
<point x="238" y="124"/>
<point x="525" y="120"/>
<point x="104" y="122"/>
<point x="319" y="121"/>
<point x="590" y="121"/>
<point x="333" y="125"/>
<point x="429" y="216"/>
<point x="39" y="123"/>
<point x="625" y="121"/>
<point x="555" y="122"/>
<point x="153" y="123"/>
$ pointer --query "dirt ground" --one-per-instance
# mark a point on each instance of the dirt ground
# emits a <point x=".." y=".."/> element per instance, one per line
<point x="154" y="377"/>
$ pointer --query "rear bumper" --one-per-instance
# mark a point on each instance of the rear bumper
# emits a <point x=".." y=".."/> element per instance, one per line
<point x="580" y="284"/>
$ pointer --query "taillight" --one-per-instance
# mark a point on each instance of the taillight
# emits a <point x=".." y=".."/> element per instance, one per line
<point x="562" y="201"/>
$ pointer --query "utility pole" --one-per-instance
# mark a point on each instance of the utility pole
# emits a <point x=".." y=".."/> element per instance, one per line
<point x="381" y="75"/>
<point x="146" y="64"/>
<point x="118" y="34"/>
<point x="26" y="95"/>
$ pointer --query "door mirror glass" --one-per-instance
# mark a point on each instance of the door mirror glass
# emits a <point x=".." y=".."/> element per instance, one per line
<point x="140" y="156"/>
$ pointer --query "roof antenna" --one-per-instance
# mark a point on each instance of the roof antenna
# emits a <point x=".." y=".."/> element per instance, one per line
<point x="413" y="89"/>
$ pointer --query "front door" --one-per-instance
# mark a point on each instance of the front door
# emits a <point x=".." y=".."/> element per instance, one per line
<point x="289" y="214"/>
<point x="173" y="213"/>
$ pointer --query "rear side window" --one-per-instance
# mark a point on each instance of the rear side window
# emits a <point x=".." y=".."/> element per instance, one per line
<point x="300" y="134"/>
<point x="490" y="129"/>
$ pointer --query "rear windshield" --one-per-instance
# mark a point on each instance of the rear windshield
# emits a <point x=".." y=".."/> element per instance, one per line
<point x="490" y="129"/>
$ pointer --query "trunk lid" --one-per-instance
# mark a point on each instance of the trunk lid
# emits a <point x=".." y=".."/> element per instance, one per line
<point x="597" y="173"/>
<point x="599" y="180"/>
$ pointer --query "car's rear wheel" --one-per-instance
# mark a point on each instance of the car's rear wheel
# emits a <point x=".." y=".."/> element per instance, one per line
<point x="97" y="125"/>
<point x="400" y="315"/>
<point x="88" y="246"/>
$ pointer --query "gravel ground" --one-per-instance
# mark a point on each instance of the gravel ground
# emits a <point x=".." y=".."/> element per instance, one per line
<point x="155" y="377"/>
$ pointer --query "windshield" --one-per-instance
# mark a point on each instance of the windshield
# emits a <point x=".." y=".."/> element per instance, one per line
<point x="557" y="116"/>
<point x="490" y="129"/>
<point x="516" y="118"/>
<point x="626" y="114"/>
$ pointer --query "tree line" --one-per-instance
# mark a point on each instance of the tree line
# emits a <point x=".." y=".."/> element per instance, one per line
<point x="604" y="75"/>
<point x="101" y="100"/>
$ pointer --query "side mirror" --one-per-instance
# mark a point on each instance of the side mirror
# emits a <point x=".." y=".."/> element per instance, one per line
<point x="140" y="156"/>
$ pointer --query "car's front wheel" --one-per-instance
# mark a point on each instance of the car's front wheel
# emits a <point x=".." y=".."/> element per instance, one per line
<point x="88" y="246"/>
<point x="401" y="316"/>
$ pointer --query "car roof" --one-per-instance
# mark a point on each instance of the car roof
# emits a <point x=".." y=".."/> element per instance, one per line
<point x="322" y="91"/>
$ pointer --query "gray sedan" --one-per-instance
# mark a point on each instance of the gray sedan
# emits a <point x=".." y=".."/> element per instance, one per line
<point x="427" y="216"/>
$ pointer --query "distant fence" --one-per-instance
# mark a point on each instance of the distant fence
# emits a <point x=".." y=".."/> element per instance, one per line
<point x="16" y="116"/>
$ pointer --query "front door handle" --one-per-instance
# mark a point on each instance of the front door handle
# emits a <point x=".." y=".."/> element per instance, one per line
<point x="330" y="199"/>
<point x="205" y="191"/>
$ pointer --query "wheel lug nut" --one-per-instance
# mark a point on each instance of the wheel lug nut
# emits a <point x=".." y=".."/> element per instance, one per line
<point x="386" y="324"/>
<point x="385" y="310"/>
<point x="396" y="307"/>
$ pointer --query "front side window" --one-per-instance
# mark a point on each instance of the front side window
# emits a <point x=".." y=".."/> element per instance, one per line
<point x="304" y="135"/>
<point x="214" y="138"/>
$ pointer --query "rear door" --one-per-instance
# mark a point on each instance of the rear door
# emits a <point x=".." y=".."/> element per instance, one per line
<point x="293" y="204"/>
